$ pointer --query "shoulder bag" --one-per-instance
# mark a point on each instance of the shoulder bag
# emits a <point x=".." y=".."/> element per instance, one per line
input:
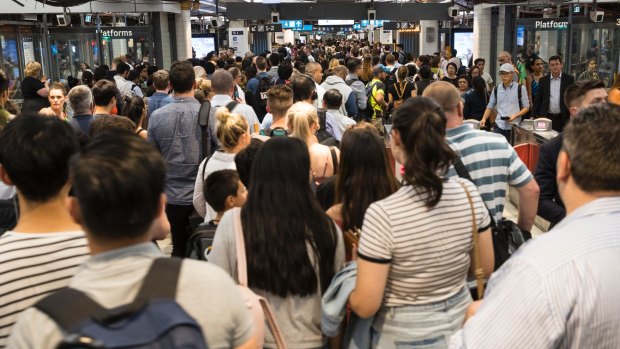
<point x="478" y="272"/>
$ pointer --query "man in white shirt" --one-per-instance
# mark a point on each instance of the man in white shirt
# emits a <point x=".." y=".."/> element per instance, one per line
<point x="127" y="88"/>
<point x="223" y="88"/>
<point x="336" y="122"/>
<point x="315" y="72"/>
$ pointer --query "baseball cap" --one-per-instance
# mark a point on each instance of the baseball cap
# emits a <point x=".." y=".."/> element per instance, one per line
<point x="378" y="69"/>
<point x="507" y="68"/>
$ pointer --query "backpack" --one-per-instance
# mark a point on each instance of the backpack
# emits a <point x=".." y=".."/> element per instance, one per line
<point x="206" y="116"/>
<point x="518" y="94"/>
<point x="89" y="325"/>
<point x="200" y="242"/>
<point x="258" y="99"/>
<point x="370" y="112"/>
<point x="391" y="79"/>
<point x="398" y="101"/>
<point x="258" y="306"/>
<point x="322" y="135"/>
<point x="274" y="132"/>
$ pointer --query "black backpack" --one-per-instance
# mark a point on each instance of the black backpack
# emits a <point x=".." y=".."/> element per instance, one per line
<point x="391" y="79"/>
<point x="322" y="135"/>
<point x="89" y="325"/>
<point x="201" y="240"/>
<point x="274" y="132"/>
<point x="258" y="99"/>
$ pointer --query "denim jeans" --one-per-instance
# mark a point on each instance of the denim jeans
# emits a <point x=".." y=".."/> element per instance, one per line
<point x="420" y="326"/>
<point x="505" y="133"/>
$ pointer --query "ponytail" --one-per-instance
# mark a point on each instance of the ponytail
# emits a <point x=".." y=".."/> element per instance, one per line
<point x="230" y="127"/>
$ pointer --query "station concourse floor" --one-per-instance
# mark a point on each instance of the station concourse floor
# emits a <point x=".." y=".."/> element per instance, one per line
<point x="510" y="212"/>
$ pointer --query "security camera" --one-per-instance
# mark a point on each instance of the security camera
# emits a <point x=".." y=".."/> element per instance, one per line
<point x="597" y="16"/>
<point x="217" y="22"/>
<point x="453" y="12"/>
<point x="275" y="17"/>
<point x="63" y="20"/>
<point x="372" y="15"/>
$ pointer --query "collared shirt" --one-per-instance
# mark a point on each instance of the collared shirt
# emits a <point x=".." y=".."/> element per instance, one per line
<point x="127" y="88"/>
<point x="156" y="101"/>
<point x="336" y="123"/>
<point x="507" y="103"/>
<point x="241" y="108"/>
<point x="554" y="94"/>
<point x="174" y="129"/>
<point x="558" y="291"/>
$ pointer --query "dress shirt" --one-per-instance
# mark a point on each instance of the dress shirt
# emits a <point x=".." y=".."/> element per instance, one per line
<point x="241" y="108"/>
<point x="558" y="291"/>
<point x="507" y="103"/>
<point x="336" y="123"/>
<point x="555" y="98"/>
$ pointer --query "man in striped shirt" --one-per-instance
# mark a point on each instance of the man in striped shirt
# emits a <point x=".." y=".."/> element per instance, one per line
<point x="491" y="162"/>
<point x="41" y="254"/>
<point x="561" y="290"/>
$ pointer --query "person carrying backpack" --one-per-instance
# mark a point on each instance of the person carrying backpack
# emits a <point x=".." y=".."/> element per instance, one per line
<point x="257" y="87"/>
<point x="376" y="103"/>
<point x="402" y="90"/>
<point x="118" y="187"/>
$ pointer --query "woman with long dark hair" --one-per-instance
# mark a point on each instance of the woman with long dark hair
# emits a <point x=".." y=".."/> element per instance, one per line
<point x="476" y="100"/>
<point x="293" y="248"/>
<point x="364" y="176"/>
<point x="415" y="247"/>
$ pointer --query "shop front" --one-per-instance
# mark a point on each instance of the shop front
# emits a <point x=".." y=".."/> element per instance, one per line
<point x="576" y="39"/>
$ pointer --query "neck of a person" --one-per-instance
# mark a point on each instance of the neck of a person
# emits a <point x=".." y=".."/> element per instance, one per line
<point x="555" y="76"/>
<point x="188" y="94"/>
<point x="279" y="121"/>
<point x="49" y="216"/>
<point x="218" y="217"/>
<point x="577" y="197"/>
<point x="162" y="91"/>
<point x="507" y="84"/>
<point x="103" y="109"/>
<point x="58" y="112"/>
<point x="453" y="120"/>
<point x="98" y="246"/>
<point x="234" y="150"/>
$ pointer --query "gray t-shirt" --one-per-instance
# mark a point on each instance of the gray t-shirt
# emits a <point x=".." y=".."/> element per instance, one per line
<point x="299" y="318"/>
<point x="114" y="278"/>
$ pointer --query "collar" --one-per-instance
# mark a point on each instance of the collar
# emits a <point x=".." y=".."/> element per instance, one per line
<point x="117" y="76"/>
<point x="220" y="100"/>
<point x="509" y="87"/>
<point x="333" y="111"/>
<point x="145" y="248"/>
<point x="177" y="99"/>
<point x="558" y="78"/>
<point x="598" y="207"/>
<point x="455" y="131"/>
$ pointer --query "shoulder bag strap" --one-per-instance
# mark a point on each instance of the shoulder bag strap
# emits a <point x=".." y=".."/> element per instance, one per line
<point x="242" y="273"/>
<point x="400" y="92"/>
<point x="203" y="122"/>
<point x="334" y="159"/>
<point x="476" y="258"/>
<point x="232" y="105"/>
<point x="461" y="170"/>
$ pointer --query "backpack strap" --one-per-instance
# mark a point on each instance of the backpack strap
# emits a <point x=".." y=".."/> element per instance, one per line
<point x="203" y="122"/>
<point x="519" y="93"/>
<point x="232" y="105"/>
<point x="334" y="159"/>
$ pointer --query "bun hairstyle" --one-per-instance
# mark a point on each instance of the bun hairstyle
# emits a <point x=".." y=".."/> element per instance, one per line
<point x="301" y="116"/>
<point x="230" y="127"/>
<point x="422" y="126"/>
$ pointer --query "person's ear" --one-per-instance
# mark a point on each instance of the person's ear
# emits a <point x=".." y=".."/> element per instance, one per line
<point x="573" y="111"/>
<point x="74" y="209"/>
<point x="229" y="202"/>
<point x="563" y="167"/>
<point x="4" y="176"/>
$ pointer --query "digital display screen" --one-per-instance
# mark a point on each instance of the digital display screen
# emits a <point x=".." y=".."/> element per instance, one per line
<point x="336" y="22"/>
<point x="520" y="35"/>
<point x="203" y="46"/>
<point x="541" y="124"/>
<point x="464" y="45"/>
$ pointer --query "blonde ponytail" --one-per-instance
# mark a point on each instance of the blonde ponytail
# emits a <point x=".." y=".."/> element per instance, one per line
<point x="301" y="117"/>
<point x="229" y="128"/>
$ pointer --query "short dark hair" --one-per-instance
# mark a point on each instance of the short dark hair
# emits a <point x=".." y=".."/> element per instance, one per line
<point x="245" y="158"/>
<point x="333" y="99"/>
<point x="182" y="76"/>
<point x="479" y="60"/>
<point x="285" y="70"/>
<point x="575" y="92"/>
<point x="103" y="92"/>
<point x="35" y="152"/>
<point x="591" y="143"/>
<point x="118" y="180"/>
<point x="353" y="64"/>
<point x="303" y="87"/>
<point x="122" y="68"/>
<point x="219" y="185"/>
<point x="100" y="73"/>
<point x="134" y="109"/>
<point x="274" y="59"/>
<point x="425" y="72"/>
<point x="261" y="63"/>
<point x="555" y="58"/>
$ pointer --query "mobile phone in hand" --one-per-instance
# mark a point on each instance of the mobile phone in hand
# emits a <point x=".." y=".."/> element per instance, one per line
<point x="505" y="118"/>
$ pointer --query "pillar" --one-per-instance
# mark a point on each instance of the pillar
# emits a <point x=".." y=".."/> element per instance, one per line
<point x="183" y="31"/>
<point x="429" y="36"/>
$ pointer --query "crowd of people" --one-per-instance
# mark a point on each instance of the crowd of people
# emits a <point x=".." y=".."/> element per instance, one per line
<point x="331" y="190"/>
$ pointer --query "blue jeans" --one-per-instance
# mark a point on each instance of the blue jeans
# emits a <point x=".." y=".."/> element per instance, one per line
<point x="505" y="133"/>
<point x="420" y="326"/>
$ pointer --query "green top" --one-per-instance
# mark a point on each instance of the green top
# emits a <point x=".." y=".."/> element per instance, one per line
<point x="4" y="116"/>
<point x="377" y="87"/>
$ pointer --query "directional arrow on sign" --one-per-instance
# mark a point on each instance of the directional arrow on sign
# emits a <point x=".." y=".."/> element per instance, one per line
<point x="253" y="28"/>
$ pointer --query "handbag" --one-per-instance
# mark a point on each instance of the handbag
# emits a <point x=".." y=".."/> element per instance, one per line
<point x="478" y="272"/>
<point x="507" y="236"/>
<point x="258" y="306"/>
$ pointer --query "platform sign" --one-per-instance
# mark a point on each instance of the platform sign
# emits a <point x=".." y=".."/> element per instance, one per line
<point x="305" y="28"/>
<point x="28" y="46"/>
<point x="297" y="24"/>
<point x="265" y="28"/>
<point x="386" y="36"/>
<point x="238" y="39"/>
<point x="376" y="23"/>
<point x="399" y="25"/>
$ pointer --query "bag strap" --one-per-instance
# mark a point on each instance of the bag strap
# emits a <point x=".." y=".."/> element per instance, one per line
<point x="82" y="307"/>
<point x="334" y="159"/>
<point x="203" y="122"/>
<point x="232" y="105"/>
<point x="400" y="92"/>
<point x="478" y="272"/>
<point x="242" y="273"/>
<point x="461" y="170"/>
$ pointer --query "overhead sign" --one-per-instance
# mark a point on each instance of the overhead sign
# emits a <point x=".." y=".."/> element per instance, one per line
<point x="336" y="28"/>
<point x="335" y="22"/>
<point x="238" y="40"/>
<point x="117" y="33"/>
<point x="546" y="24"/>
<point x="398" y="25"/>
<point x="265" y="28"/>
<point x="305" y="28"/>
<point x="376" y="23"/>
<point x="292" y="24"/>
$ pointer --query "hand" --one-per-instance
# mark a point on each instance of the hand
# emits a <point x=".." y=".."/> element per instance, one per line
<point x="472" y="309"/>
<point x="513" y="118"/>
<point x="483" y="123"/>
<point x="354" y="252"/>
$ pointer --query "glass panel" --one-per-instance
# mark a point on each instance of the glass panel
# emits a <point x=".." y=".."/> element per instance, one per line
<point x="69" y="51"/>
<point x="10" y="59"/>
<point x="600" y="44"/>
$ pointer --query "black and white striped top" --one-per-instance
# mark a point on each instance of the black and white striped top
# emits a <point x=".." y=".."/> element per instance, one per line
<point x="33" y="265"/>
<point x="428" y="249"/>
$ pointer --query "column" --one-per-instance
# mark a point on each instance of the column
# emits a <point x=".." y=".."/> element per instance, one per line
<point x="184" y="31"/>
<point x="164" y="46"/>
<point x="429" y="35"/>
<point x="482" y="34"/>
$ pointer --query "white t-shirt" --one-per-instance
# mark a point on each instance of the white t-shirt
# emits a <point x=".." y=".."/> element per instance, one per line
<point x="219" y="161"/>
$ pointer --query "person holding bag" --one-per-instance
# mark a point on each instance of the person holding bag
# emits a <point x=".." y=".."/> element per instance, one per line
<point x="416" y="245"/>
<point x="293" y="248"/>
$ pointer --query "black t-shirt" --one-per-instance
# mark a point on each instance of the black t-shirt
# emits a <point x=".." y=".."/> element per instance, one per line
<point x="454" y="81"/>
<point x="30" y="86"/>
<point x="406" y="92"/>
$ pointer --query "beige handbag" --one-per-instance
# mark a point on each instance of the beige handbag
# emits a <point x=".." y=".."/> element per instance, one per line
<point x="258" y="306"/>
<point x="478" y="272"/>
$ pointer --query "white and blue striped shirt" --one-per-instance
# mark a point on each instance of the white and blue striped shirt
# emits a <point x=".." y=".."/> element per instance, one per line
<point x="558" y="291"/>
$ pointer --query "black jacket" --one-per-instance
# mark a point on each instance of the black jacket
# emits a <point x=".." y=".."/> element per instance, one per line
<point x="541" y="102"/>
<point x="550" y="206"/>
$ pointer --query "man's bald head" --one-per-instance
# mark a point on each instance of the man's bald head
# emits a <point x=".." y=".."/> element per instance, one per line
<point x="444" y="94"/>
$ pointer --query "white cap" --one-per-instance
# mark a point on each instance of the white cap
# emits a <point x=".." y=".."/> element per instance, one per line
<point x="507" y="67"/>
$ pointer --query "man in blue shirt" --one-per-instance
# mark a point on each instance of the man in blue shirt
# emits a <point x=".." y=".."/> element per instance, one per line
<point x="161" y="82"/>
<point x="561" y="290"/>
<point x="174" y="130"/>
<point x="505" y="100"/>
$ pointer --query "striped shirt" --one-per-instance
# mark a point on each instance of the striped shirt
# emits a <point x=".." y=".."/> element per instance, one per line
<point x="427" y="248"/>
<point x="33" y="265"/>
<point x="491" y="163"/>
<point x="558" y="291"/>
